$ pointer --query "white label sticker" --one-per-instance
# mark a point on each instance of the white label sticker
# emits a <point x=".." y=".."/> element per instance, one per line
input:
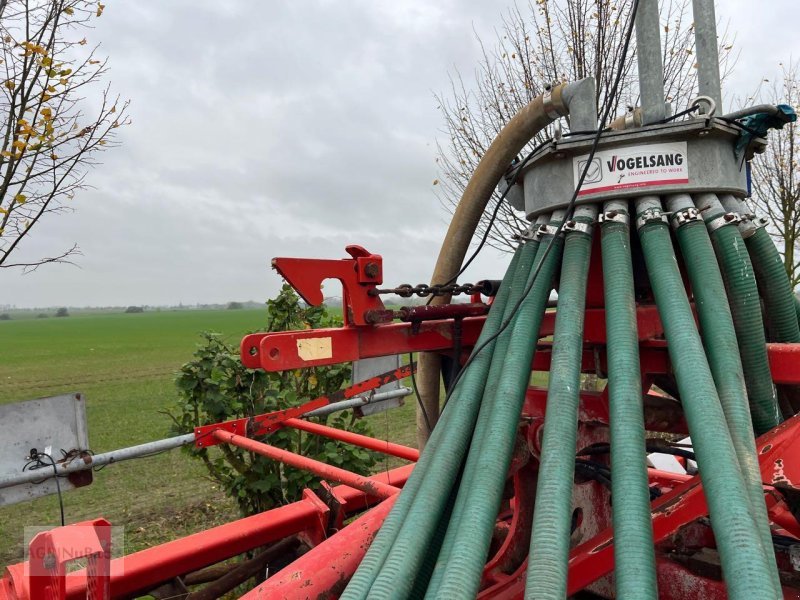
<point x="633" y="167"/>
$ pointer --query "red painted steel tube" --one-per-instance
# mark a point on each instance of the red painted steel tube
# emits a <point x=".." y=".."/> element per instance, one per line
<point x="356" y="439"/>
<point x="324" y="571"/>
<point x="371" y="487"/>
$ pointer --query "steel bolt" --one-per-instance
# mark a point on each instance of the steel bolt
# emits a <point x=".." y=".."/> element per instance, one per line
<point x="371" y="269"/>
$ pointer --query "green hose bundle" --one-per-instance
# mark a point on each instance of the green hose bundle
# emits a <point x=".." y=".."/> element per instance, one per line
<point x="745" y="305"/>
<point x="468" y="537"/>
<point x="747" y="571"/>
<point x="719" y="340"/>
<point x="455" y="425"/>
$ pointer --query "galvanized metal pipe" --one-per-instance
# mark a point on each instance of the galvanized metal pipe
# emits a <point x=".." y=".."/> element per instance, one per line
<point x="359" y="401"/>
<point x="706" y="50"/>
<point x="651" y="67"/>
<point x="97" y="460"/>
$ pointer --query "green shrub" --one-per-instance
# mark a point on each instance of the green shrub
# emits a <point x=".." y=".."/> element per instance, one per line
<point x="215" y="387"/>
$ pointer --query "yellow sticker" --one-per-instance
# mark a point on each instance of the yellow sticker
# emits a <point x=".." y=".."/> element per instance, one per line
<point x="316" y="348"/>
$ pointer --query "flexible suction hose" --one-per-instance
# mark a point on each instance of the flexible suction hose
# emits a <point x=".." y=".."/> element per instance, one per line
<point x="514" y="136"/>
<point x="441" y="461"/>
<point x="719" y="339"/>
<point x="482" y="426"/>
<point x="744" y="562"/>
<point x="492" y="448"/>
<point x="634" y="557"/>
<point x="549" y="546"/>
<point x="745" y="305"/>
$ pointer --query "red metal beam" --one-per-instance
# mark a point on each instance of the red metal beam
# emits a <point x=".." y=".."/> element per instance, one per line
<point x="324" y="571"/>
<point x="136" y="573"/>
<point x="321" y="469"/>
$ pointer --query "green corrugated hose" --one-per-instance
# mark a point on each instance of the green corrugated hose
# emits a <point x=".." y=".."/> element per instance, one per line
<point x="457" y="420"/>
<point x="549" y="546"/>
<point x="744" y="564"/>
<point x="634" y="556"/>
<point x="779" y="303"/>
<point x="775" y="287"/>
<point x="745" y="304"/>
<point x="719" y="339"/>
<point x="484" y="417"/>
<point x="469" y="542"/>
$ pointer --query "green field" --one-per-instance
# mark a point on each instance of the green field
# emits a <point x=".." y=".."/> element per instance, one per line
<point x="125" y="365"/>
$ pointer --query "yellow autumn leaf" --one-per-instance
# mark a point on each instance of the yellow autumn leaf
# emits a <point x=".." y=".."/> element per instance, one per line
<point x="69" y="10"/>
<point x="3" y="211"/>
<point x="63" y="81"/>
<point x="20" y="198"/>
<point x="10" y="84"/>
<point x="47" y="113"/>
<point x="51" y="89"/>
<point x="1" y="231"/>
<point x="82" y="42"/>
<point x="19" y="144"/>
<point x="46" y="97"/>
<point x="5" y="153"/>
<point x="100" y="8"/>
<point x="54" y="156"/>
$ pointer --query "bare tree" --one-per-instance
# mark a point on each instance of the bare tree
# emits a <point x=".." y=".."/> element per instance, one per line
<point x="545" y="42"/>
<point x="776" y="174"/>
<point x="58" y="117"/>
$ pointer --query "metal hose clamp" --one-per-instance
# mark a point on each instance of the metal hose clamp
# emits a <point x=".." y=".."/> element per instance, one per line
<point x="651" y="215"/>
<point x="616" y="216"/>
<point x="548" y="104"/>
<point x="576" y="226"/>
<point x="527" y="235"/>
<point x="730" y="218"/>
<point x="682" y="217"/>
<point x="544" y="230"/>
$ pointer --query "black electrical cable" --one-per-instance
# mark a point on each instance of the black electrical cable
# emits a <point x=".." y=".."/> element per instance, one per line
<point x="416" y="393"/>
<point x="653" y="448"/>
<point x="38" y="464"/>
<point x="569" y="212"/>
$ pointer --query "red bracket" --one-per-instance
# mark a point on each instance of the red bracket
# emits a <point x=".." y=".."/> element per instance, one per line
<point x="359" y="274"/>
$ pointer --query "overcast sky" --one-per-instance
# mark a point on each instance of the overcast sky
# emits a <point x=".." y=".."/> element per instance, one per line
<point x="266" y="129"/>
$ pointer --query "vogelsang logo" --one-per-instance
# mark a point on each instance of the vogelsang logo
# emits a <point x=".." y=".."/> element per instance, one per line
<point x="645" y="161"/>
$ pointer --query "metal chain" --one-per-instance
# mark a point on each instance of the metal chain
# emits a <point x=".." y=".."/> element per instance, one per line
<point x="406" y="290"/>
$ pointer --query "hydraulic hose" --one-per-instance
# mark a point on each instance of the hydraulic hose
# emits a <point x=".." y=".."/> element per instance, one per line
<point x="634" y="557"/>
<point x="518" y="132"/>
<point x="482" y="426"/>
<point x="743" y="559"/>
<point x="455" y="421"/>
<point x="549" y="545"/>
<point x="719" y="340"/>
<point x="469" y="536"/>
<point x="745" y="305"/>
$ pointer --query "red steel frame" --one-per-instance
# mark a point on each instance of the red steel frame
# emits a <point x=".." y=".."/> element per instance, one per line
<point x="678" y="513"/>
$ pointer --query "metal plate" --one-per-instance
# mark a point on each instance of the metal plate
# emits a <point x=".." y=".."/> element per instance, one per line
<point x="370" y="367"/>
<point x="549" y="181"/>
<point x="367" y="368"/>
<point x="48" y="424"/>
